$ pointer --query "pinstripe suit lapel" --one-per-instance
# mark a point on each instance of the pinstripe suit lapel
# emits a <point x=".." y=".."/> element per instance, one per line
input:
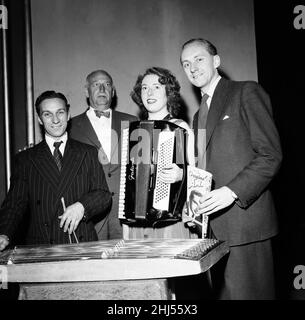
<point x="72" y="161"/>
<point x="44" y="162"/>
<point x="217" y="107"/>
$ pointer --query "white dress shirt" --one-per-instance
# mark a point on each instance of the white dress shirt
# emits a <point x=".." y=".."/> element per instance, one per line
<point x="102" y="128"/>
<point x="211" y="90"/>
<point x="50" y="142"/>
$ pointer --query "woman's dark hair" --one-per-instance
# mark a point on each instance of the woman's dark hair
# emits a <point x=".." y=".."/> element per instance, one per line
<point x="172" y="89"/>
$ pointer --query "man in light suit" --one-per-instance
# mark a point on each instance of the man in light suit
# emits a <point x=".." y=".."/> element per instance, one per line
<point x="242" y="150"/>
<point x="60" y="180"/>
<point x="101" y="127"/>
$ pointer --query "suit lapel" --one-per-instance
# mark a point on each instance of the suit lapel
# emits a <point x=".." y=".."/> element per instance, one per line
<point x="44" y="162"/>
<point x="84" y="126"/>
<point x="217" y="107"/>
<point x="115" y="137"/>
<point x="72" y="161"/>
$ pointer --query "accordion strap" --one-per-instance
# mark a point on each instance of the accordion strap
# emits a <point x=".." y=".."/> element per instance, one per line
<point x="176" y="121"/>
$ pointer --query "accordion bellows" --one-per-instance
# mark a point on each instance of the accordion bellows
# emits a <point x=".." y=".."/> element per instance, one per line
<point x="147" y="148"/>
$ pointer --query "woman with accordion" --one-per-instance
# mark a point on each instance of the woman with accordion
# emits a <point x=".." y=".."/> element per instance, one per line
<point x="157" y="93"/>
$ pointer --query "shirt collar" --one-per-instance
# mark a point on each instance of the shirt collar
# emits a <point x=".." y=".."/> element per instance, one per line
<point x="212" y="87"/>
<point x="50" y="141"/>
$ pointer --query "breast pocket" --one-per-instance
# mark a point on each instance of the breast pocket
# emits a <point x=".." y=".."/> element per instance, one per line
<point x="228" y="120"/>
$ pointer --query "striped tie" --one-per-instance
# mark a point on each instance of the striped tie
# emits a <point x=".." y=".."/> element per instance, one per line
<point x="57" y="154"/>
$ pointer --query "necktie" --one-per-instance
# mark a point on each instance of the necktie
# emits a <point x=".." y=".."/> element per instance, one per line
<point x="203" y="112"/>
<point x="201" y="148"/>
<point x="99" y="113"/>
<point x="57" y="154"/>
<point x="201" y="135"/>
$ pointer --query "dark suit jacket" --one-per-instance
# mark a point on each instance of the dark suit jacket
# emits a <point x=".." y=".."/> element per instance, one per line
<point x="37" y="184"/>
<point x="243" y="152"/>
<point x="82" y="130"/>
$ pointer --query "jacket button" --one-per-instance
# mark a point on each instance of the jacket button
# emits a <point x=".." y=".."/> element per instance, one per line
<point x="46" y="225"/>
<point x="109" y="175"/>
<point x="51" y="241"/>
<point x="112" y="193"/>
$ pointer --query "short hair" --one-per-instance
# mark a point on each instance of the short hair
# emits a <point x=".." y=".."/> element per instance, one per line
<point x="50" y="95"/>
<point x="211" y="49"/>
<point x="172" y="89"/>
<point x="91" y="74"/>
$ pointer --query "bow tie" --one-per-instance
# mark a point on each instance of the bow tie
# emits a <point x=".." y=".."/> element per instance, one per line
<point x="99" y="113"/>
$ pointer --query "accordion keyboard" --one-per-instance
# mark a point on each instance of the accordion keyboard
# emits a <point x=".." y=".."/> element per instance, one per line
<point x="165" y="158"/>
<point x="124" y="159"/>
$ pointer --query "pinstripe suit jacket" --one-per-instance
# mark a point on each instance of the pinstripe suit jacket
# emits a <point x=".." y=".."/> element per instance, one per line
<point x="37" y="184"/>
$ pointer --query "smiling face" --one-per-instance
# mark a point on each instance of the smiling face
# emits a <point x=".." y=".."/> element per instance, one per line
<point x="54" y="117"/>
<point x="154" y="97"/>
<point x="194" y="201"/>
<point x="199" y="65"/>
<point x="100" y="91"/>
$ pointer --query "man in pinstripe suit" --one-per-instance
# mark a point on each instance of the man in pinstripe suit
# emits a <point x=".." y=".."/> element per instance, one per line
<point x="47" y="174"/>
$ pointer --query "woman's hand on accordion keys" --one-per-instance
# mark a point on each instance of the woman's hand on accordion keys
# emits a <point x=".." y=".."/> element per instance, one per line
<point x="171" y="174"/>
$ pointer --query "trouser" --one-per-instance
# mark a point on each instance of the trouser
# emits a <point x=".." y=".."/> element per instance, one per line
<point x="247" y="273"/>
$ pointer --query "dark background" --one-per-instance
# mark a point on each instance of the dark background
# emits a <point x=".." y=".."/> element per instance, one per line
<point x="281" y="68"/>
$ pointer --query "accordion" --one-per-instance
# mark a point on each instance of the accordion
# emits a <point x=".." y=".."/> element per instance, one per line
<point x="147" y="148"/>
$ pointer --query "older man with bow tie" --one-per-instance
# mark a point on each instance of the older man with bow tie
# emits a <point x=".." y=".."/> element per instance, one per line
<point x="101" y="126"/>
